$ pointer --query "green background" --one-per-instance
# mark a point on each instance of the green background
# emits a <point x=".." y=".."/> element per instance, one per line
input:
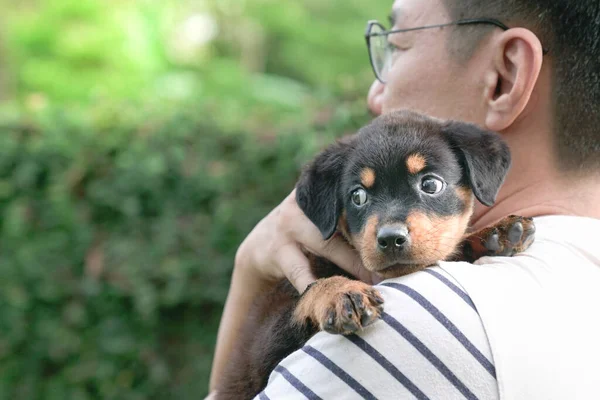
<point x="140" y="141"/>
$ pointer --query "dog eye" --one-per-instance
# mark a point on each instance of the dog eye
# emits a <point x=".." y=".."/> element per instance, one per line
<point x="359" y="197"/>
<point x="432" y="185"/>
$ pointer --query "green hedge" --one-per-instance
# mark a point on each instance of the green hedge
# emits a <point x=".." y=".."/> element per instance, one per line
<point x="131" y="168"/>
<point x="117" y="236"/>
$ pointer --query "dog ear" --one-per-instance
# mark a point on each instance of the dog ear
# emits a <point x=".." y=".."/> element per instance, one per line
<point x="484" y="156"/>
<point x="317" y="190"/>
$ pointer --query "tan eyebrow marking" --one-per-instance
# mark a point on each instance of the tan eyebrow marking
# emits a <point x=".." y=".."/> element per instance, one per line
<point x="415" y="163"/>
<point x="367" y="177"/>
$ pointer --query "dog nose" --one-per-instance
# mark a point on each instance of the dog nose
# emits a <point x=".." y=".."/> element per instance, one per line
<point x="389" y="237"/>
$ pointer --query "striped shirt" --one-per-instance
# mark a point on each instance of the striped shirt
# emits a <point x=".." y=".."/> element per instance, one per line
<point x="464" y="331"/>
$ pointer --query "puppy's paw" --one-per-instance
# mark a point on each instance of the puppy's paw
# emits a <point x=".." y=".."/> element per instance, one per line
<point x="512" y="235"/>
<point x="339" y="305"/>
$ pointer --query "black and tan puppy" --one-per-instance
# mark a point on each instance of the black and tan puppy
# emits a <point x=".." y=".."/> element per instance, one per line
<point x="401" y="192"/>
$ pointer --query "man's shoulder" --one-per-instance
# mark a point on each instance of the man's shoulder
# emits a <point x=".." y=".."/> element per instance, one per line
<point x="531" y="305"/>
<point x="429" y="343"/>
<point x="564" y="256"/>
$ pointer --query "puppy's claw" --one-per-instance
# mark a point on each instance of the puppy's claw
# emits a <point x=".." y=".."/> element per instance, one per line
<point x="369" y="317"/>
<point x="357" y="300"/>
<point x="515" y="233"/>
<point x="375" y="297"/>
<point x="329" y="324"/>
<point x="493" y="241"/>
<point x="350" y="327"/>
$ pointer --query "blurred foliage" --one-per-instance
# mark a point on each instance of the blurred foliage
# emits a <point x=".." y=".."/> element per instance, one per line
<point x="140" y="141"/>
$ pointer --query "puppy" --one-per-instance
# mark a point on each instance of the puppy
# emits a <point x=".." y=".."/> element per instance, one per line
<point x="401" y="192"/>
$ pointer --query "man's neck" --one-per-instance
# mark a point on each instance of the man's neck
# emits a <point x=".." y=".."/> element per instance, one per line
<point x="534" y="186"/>
<point x="534" y="196"/>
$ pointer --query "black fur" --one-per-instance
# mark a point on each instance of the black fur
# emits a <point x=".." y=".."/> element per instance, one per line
<point x="483" y="155"/>
<point x="318" y="187"/>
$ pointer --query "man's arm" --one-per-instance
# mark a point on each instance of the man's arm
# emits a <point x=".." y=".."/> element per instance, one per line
<point x="430" y="343"/>
<point x="271" y="252"/>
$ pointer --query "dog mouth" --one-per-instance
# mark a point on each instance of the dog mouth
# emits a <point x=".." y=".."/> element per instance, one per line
<point x="399" y="268"/>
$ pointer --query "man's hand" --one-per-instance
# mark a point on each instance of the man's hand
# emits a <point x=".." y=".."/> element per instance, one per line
<point x="273" y="248"/>
<point x="273" y="251"/>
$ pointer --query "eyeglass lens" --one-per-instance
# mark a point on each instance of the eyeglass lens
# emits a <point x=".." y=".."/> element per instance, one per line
<point x="381" y="52"/>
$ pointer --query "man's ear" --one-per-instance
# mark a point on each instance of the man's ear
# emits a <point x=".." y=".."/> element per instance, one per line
<point x="516" y="66"/>
<point x="484" y="156"/>
<point x="317" y="190"/>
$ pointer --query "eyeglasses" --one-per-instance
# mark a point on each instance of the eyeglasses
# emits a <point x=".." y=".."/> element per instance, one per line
<point x="381" y="51"/>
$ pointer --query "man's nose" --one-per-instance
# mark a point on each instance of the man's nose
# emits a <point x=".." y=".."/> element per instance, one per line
<point x="375" y="97"/>
<point x="390" y="238"/>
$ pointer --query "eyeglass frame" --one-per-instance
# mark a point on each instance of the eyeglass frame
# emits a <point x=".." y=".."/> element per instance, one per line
<point x="470" y="21"/>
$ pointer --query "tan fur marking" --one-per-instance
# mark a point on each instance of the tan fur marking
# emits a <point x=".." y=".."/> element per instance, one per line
<point x="343" y="227"/>
<point x="468" y="198"/>
<point x="366" y="243"/>
<point x="367" y="177"/>
<point x="435" y="238"/>
<point x="415" y="163"/>
<point x="313" y="305"/>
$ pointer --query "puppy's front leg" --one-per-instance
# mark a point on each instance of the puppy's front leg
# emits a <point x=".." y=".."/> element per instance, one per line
<point x="339" y="305"/>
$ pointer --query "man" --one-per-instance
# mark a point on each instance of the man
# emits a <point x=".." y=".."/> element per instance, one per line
<point x="514" y="328"/>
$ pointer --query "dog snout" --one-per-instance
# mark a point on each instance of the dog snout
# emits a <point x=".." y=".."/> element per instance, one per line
<point x="390" y="238"/>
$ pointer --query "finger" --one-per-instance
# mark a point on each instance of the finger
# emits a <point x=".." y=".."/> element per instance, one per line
<point x="375" y="279"/>
<point x="211" y="396"/>
<point x="338" y="251"/>
<point x="295" y="266"/>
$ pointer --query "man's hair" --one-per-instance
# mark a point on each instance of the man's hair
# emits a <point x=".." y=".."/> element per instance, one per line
<point x="570" y="30"/>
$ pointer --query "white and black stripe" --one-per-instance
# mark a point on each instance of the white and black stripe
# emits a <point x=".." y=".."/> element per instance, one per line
<point x="452" y="287"/>
<point x="295" y="382"/>
<point x="430" y="344"/>
<point x="487" y="364"/>
<point x="388" y="366"/>
<point x="339" y="372"/>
